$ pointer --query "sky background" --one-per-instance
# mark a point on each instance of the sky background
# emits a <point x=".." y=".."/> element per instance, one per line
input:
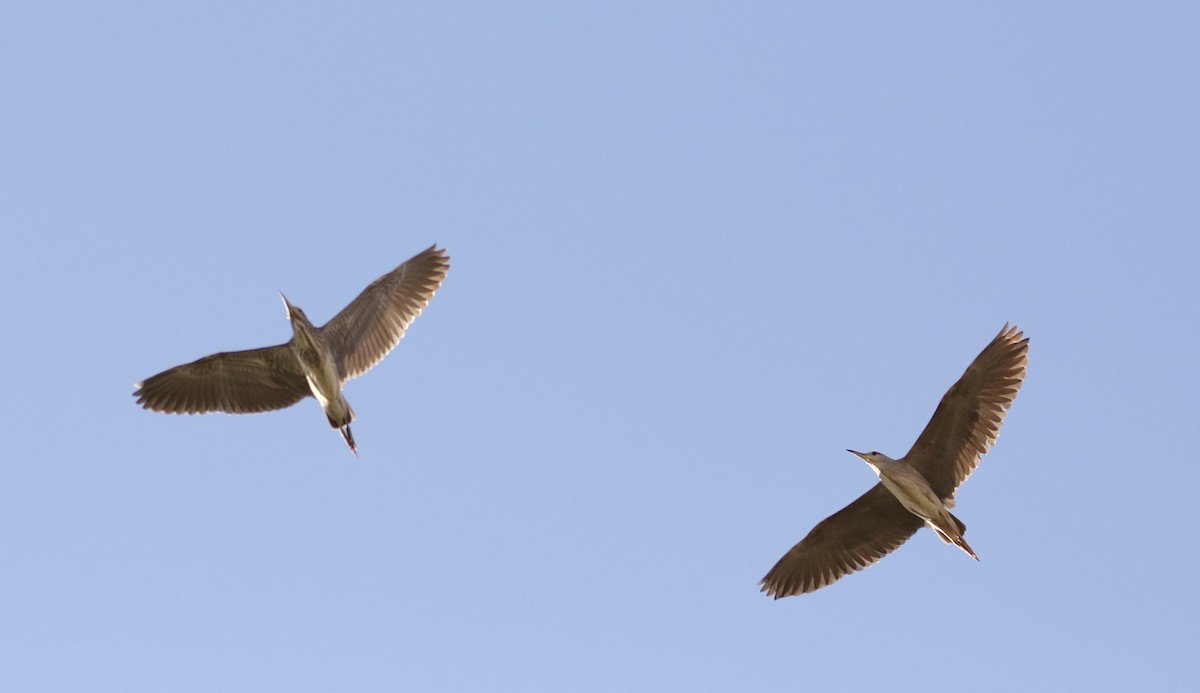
<point x="698" y="250"/>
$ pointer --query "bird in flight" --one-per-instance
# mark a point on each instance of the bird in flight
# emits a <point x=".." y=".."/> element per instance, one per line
<point x="316" y="361"/>
<point x="917" y="489"/>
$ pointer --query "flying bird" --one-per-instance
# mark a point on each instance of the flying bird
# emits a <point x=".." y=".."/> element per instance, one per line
<point x="316" y="361"/>
<point x="917" y="489"/>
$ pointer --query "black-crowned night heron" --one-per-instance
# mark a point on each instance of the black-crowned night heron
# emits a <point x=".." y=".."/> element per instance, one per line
<point x="317" y="361"/>
<point x="917" y="488"/>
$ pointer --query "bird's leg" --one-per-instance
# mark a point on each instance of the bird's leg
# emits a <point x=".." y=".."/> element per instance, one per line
<point x="962" y="544"/>
<point x="345" y="431"/>
<point x="951" y="532"/>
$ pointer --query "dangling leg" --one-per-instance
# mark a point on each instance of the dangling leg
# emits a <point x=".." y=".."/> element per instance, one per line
<point x="345" y="431"/>
<point x="952" y="533"/>
<point x="339" y="415"/>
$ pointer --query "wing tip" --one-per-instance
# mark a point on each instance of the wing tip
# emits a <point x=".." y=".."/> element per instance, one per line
<point x="771" y="590"/>
<point x="435" y="251"/>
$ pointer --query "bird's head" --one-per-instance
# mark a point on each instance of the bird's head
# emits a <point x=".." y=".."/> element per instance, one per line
<point x="872" y="458"/>
<point x="295" y="314"/>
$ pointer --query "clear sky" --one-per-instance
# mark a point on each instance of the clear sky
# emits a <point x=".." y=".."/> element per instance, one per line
<point x="698" y="250"/>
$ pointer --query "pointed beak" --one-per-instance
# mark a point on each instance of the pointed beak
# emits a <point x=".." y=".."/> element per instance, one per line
<point x="857" y="454"/>
<point x="287" y="305"/>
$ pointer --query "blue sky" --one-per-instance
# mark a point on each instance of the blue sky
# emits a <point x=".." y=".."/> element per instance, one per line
<point x="698" y="250"/>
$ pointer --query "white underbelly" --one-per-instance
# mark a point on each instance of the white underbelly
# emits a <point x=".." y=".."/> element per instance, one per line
<point x="325" y="385"/>
<point x="916" y="497"/>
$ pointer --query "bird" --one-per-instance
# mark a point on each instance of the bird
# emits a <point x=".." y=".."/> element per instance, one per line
<point x="316" y="361"/>
<point x="917" y="489"/>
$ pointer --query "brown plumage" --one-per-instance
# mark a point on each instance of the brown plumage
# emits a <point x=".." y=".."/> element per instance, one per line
<point x="963" y="427"/>
<point x="259" y="380"/>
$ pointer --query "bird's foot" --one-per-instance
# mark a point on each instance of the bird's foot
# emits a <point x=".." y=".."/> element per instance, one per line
<point x="345" y="431"/>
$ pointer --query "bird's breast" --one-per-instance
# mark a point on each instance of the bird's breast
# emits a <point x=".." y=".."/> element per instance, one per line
<point x="913" y="492"/>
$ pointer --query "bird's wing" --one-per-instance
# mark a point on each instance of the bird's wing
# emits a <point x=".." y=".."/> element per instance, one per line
<point x="237" y="382"/>
<point x="968" y="418"/>
<point x="373" y="324"/>
<point x="851" y="539"/>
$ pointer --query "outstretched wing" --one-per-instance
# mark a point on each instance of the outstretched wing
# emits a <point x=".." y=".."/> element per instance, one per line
<point x="968" y="419"/>
<point x="237" y="382"/>
<point x="374" y="323"/>
<point x="851" y="539"/>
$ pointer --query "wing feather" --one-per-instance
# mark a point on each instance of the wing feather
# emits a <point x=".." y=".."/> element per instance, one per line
<point x="851" y="539"/>
<point x="374" y="323"/>
<point x="236" y="382"/>
<point x="968" y="418"/>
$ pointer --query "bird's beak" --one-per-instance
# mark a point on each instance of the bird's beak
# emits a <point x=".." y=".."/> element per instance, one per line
<point x="287" y="305"/>
<point x="857" y="454"/>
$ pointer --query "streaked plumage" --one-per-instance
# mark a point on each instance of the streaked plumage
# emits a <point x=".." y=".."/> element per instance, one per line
<point x="964" y="425"/>
<point x="316" y="361"/>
